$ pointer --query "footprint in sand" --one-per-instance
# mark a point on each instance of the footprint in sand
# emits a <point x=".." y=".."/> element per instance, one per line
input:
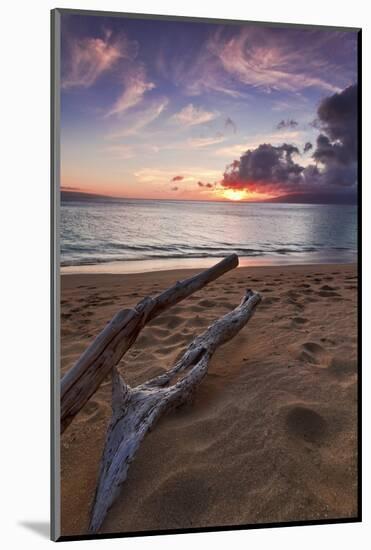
<point x="329" y="288"/>
<point x="292" y="298"/>
<point x="311" y="352"/>
<point x="306" y="424"/>
<point x="207" y="303"/>
<point x="269" y="301"/>
<point x="292" y="295"/>
<point x="87" y="314"/>
<point x="310" y="300"/>
<point x="341" y="367"/>
<point x="299" y="320"/>
<point x="105" y="302"/>
<point x="328" y="294"/>
<point x="298" y="305"/>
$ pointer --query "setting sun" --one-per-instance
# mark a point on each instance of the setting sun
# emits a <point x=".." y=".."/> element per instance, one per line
<point x="234" y="194"/>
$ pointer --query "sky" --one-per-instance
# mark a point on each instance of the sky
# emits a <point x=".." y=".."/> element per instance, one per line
<point x="207" y="111"/>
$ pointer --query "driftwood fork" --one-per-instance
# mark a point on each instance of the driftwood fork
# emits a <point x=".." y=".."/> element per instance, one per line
<point x="136" y="410"/>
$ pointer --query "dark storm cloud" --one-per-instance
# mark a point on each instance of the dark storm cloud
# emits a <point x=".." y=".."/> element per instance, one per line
<point x="269" y="168"/>
<point x="336" y="148"/>
<point x="267" y="165"/>
<point x="290" y="123"/>
<point x="337" y="116"/>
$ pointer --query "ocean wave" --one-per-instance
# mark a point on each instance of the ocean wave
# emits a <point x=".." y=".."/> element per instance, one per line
<point x="152" y="230"/>
<point x="96" y="258"/>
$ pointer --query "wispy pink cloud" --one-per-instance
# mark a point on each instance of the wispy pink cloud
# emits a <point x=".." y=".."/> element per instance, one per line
<point x="257" y="57"/>
<point x="195" y="143"/>
<point x="135" y="86"/>
<point x="192" y="115"/>
<point x="272" y="61"/>
<point x="134" y="123"/>
<point x="89" y="58"/>
<point x="203" y="73"/>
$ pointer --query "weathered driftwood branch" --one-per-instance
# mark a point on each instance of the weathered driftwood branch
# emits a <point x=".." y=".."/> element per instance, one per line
<point x="135" y="410"/>
<point x="85" y="377"/>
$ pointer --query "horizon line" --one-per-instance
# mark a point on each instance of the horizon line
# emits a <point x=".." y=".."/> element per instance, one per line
<point x="267" y="201"/>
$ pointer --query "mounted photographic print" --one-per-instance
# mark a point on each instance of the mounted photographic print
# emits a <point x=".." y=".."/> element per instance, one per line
<point x="205" y="233"/>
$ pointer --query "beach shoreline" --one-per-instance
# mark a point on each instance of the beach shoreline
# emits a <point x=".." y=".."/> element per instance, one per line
<point x="271" y="434"/>
<point x="69" y="279"/>
<point x="172" y="264"/>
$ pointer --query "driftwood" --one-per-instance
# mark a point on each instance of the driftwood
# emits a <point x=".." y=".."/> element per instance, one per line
<point x="135" y="410"/>
<point x="85" y="377"/>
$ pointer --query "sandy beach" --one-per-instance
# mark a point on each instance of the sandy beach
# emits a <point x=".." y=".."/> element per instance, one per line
<point x="271" y="434"/>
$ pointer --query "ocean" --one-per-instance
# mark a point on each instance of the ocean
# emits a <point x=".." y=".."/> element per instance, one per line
<point x="142" y="235"/>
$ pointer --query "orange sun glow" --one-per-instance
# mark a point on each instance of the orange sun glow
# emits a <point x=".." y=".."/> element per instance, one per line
<point x="247" y="195"/>
<point x="234" y="194"/>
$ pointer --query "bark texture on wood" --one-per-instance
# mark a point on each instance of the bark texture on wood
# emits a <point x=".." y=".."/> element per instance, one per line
<point x="85" y="377"/>
<point x="136" y="410"/>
